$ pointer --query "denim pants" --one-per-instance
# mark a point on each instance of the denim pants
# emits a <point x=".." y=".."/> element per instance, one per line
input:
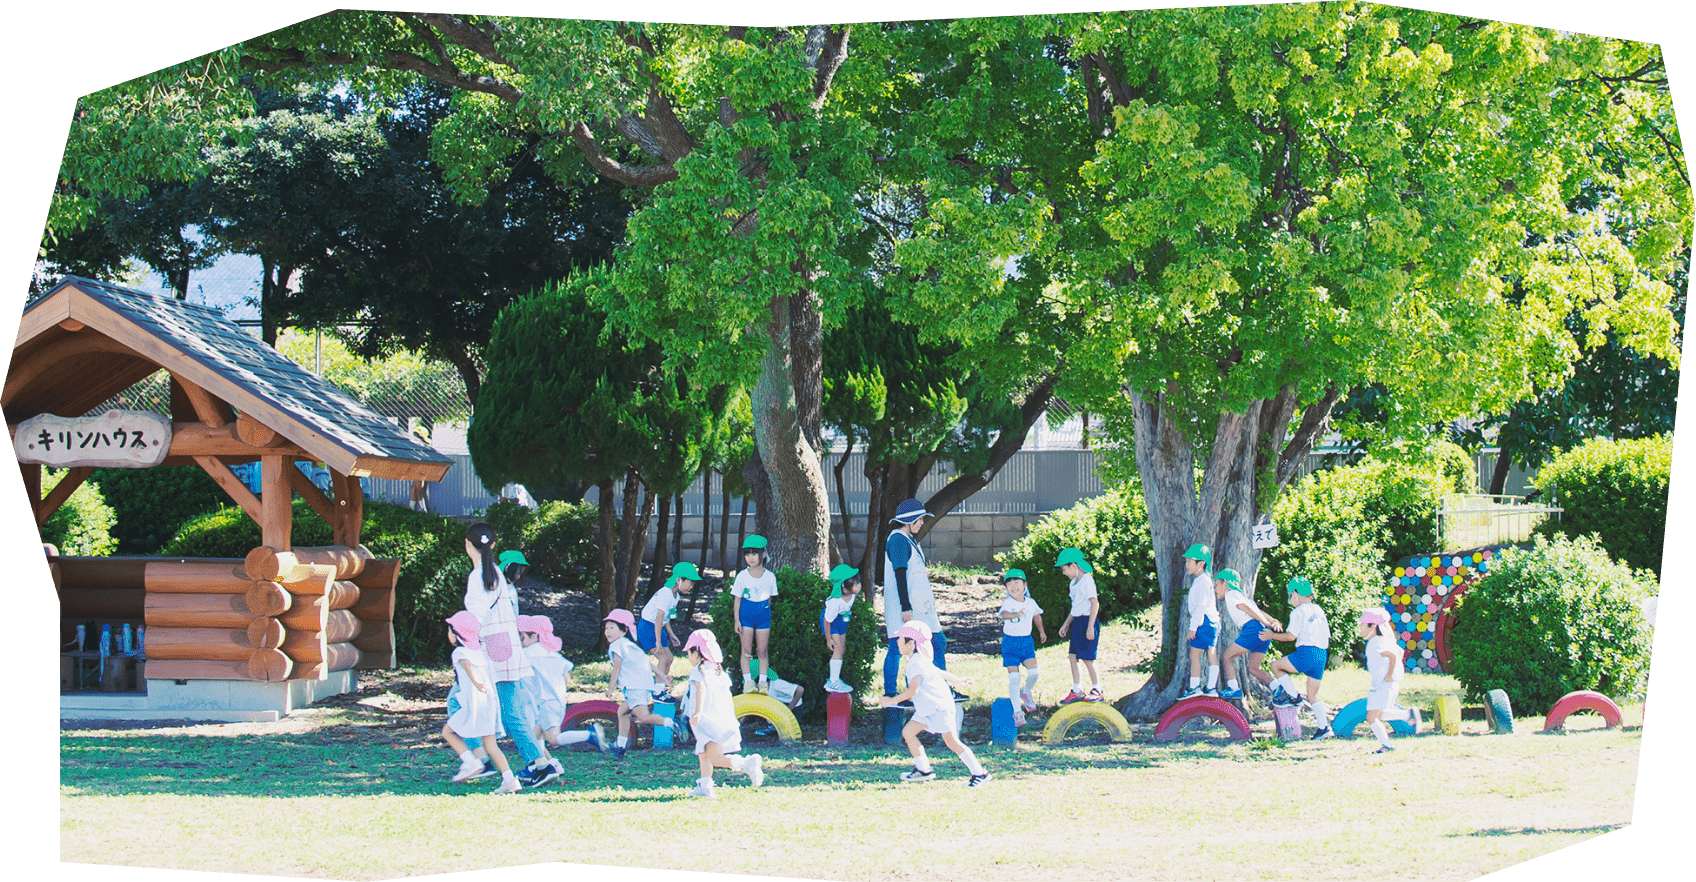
<point x="518" y="718"/>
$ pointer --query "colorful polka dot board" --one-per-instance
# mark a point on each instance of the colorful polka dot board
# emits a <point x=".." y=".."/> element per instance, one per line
<point x="1419" y="590"/>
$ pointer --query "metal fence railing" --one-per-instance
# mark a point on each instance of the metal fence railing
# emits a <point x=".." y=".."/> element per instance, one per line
<point x="1479" y="519"/>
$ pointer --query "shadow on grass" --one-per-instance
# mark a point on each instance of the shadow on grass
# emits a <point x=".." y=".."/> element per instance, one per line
<point x="1539" y="831"/>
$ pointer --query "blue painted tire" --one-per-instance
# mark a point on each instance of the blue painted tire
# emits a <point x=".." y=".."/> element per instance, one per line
<point x="1353" y="715"/>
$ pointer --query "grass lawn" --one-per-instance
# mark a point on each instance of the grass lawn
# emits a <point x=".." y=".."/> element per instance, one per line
<point x="337" y="794"/>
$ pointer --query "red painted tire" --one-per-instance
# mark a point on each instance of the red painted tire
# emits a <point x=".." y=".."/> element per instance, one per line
<point x="1216" y="709"/>
<point x="1582" y="700"/>
<point x="1445" y="621"/>
<point x="583" y="711"/>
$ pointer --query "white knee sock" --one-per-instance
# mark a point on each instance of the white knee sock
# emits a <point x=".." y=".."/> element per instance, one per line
<point x="1321" y="713"/>
<point x="738" y="763"/>
<point x="1013" y="688"/>
<point x="465" y="756"/>
<point x="1194" y="682"/>
<point x="1030" y="679"/>
<point x="573" y="736"/>
<point x="971" y="760"/>
<point x="836" y="669"/>
<point x="1396" y="713"/>
<point x="1381" y="731"/>
<point x="1285" y="683"/>
<point x="1212" y="676"/>
<point x="1232" y="683"/>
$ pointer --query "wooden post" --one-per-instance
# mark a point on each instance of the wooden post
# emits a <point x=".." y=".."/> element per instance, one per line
<point x="61" y="492"/>
<point x="275" y="522"/>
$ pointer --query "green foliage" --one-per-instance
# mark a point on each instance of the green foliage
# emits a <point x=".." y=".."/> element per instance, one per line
<point x="152" y="503"/>
<point x="1559" y="617"/>
<point x="558" y="539"/>
<point x="797" y="650"/>
<point x="1456" y="466"/>
<point x="431" y="550"/>
<point x="82" y="526"/>
<point x="1112" y="532"/>
<point x="1616" y="490"/>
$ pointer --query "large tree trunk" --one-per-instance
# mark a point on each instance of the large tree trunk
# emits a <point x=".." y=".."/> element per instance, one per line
<point x="638" y="532"/>
<point x="794" y="516"/>
<point x="660" y="537"/>
<point x="608" y="578"/>
<point x="1499" y="474"/>
<point x="627" y="524"/>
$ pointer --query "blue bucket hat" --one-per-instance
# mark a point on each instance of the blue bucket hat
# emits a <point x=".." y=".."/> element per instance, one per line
<point x="910" y="511"/>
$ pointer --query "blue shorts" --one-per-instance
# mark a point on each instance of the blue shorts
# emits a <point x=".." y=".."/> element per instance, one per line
<point x="756" y="615"/>
<point x="1249" y="637"/>
<point x="1083" y="648"/>
<point x="839" y="625"/>
<point x="1309" y="660"/>
<point x="649" y="637"/>
<point x="1017" y="649"/>
<point x="1205" y="635"/>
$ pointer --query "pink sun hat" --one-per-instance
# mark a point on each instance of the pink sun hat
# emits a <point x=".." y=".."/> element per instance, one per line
<point x="919" y="633"/>
<point x="543" y="628"/>
<point x="1375" y="616"/>
<point x="703" y="640"/>
<point x="623" y="617"/>
<point x="466" y="626"/>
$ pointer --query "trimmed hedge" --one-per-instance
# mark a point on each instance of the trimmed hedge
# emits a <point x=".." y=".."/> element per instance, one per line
<point x="431" y="549"/>
<point x="558" y="539"/>
<point x="151" y="504"/>
<point x="82" y="526"/>
<point x="1559" y="617"/>
<point x="797" y="649"/>
<point x="1616" y="490"/>
<point x="1112" y="532"/>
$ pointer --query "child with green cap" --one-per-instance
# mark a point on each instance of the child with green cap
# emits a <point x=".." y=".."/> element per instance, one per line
<point x="1312" y="635"/>
<point x="751" y="595"/>
<point x="1080" y="624"/>
<point x="1203" y="605"/>
<point x="844" y="587"/>
<point x="1019" y="613"/>
<point x="1251" y="621"/>
<point x="653" y="628"/>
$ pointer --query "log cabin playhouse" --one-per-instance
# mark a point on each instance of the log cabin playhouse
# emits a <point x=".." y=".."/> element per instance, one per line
<point x="248" y="639"/>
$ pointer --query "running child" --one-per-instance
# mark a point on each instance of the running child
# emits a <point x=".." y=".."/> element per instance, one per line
<point x="1251" y="621"/>
<point x="712" y="716"/>
<point x="1311" y="632"/>
<point x="1080" y="624"/>
<point x="1203" y="605"/>
<point x="751" y="595"/>
<point x="631" y="680"/>
<point x="933" y="707"/>
<point x="550" y="684"/>
<point x="1384" y="664"/>
<point x="653" y="628"/>
<point x="478" y="714"/>
<point x="844" y="588"/>
<point x="1019" y="613"/>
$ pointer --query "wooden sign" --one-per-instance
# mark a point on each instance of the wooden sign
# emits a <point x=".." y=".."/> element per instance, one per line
<point x="125" y="439"/>
<point x="1265" y="535"/>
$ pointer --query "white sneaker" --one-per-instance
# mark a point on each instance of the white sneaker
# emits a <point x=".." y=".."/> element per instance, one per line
<point x="1029" y="702"/>
<point x="468" y="770"/>
<point x="509" y="785"/>
<point x="1018" y="717"/>
<point x="702" y="791"/>
<point x="765" y="686"/>
<point x="756" y="773"/>
<point x="837" y="685"/>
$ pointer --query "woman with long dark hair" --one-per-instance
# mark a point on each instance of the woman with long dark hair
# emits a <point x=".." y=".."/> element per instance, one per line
<point x="493" y="600"/>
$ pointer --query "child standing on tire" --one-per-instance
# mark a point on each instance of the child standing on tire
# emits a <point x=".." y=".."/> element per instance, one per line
<point x="1311" y="632"/>
<point x="1019" y="614"/>
<point x="1251" y="621"/>
<point x="1202" y="602"/>
<point x="477" y="716"/>
<point x="751" y="595"/>
<point x="845" y="586"/>
<point x="1080" y="625"/>
<point x="933" y="707"/>
<point x="653" y="629"/>
<point x="1384" y="664"/>
<point x="712" y="716"/>
<point x="631" y="680"/>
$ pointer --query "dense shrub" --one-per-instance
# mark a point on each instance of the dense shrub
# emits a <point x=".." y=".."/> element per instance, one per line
<point x="152" y="503"/>
<point x="431" y="549"/>
<point x="558" y="539"/>
<point x="1616" y="490"/>
<point x="797" y="649"/>
<point x="1559" y="617"/>
<point x="1455" y="465"/>
<point x="82" y="526"/>
<point x="1112" y="532"/>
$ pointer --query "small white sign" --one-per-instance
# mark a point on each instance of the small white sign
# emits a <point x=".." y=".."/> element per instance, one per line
<point x="125" y="439"/>
<point x="1265" y="535"/>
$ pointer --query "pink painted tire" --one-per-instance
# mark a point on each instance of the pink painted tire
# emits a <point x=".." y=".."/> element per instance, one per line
<point x="1216" y="709"/>
<point x="1444" y="621"/>
<point x="1582" y="700"/>
<point x="583" y="711"/>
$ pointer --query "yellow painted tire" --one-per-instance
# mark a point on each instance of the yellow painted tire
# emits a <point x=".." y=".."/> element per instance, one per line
<point x="1118" y="728"/>
<point x="1448" y="714"/>
<point x="771" y="710"/>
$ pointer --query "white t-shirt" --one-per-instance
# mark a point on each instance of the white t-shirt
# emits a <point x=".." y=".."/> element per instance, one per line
<point x="1376" y="663"/>
<point x="709" y="691"/>
<point x="1203" y="605"/>
<point x="837" y="606"/>
<point x="660" y="608"/>
<point x="634" y="672"/>
<point x="1082" y="589"/>
<point x="1233" y="597"/>
<point x="1027" y="610"/>
<point x="1308" y="624"/>
<point x="748" y="587"/>
<point x="549" y="670"/>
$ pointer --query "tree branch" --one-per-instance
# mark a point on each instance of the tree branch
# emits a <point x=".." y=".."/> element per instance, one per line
<point x="631" y="175"/>
<point x="1313" y="421"/>
<point x="831" y="55"/>
<point x="463" y="33"/>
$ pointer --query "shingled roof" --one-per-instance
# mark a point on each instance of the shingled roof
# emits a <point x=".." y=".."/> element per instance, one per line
<point x="140" y="333"/>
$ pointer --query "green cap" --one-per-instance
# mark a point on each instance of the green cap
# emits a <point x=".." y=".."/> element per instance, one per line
<point x="755" y="541"/>
<point x="1074" y="556"/>
<point x="1010" y="575"/>
<point x="1200" y="552"/>
<point x="686" y="570"/>
<point x="842" y="573"/>
<point x="1229" y="577"/>
<point x="1301" y="586"/>
<point x="511" y="557"/>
